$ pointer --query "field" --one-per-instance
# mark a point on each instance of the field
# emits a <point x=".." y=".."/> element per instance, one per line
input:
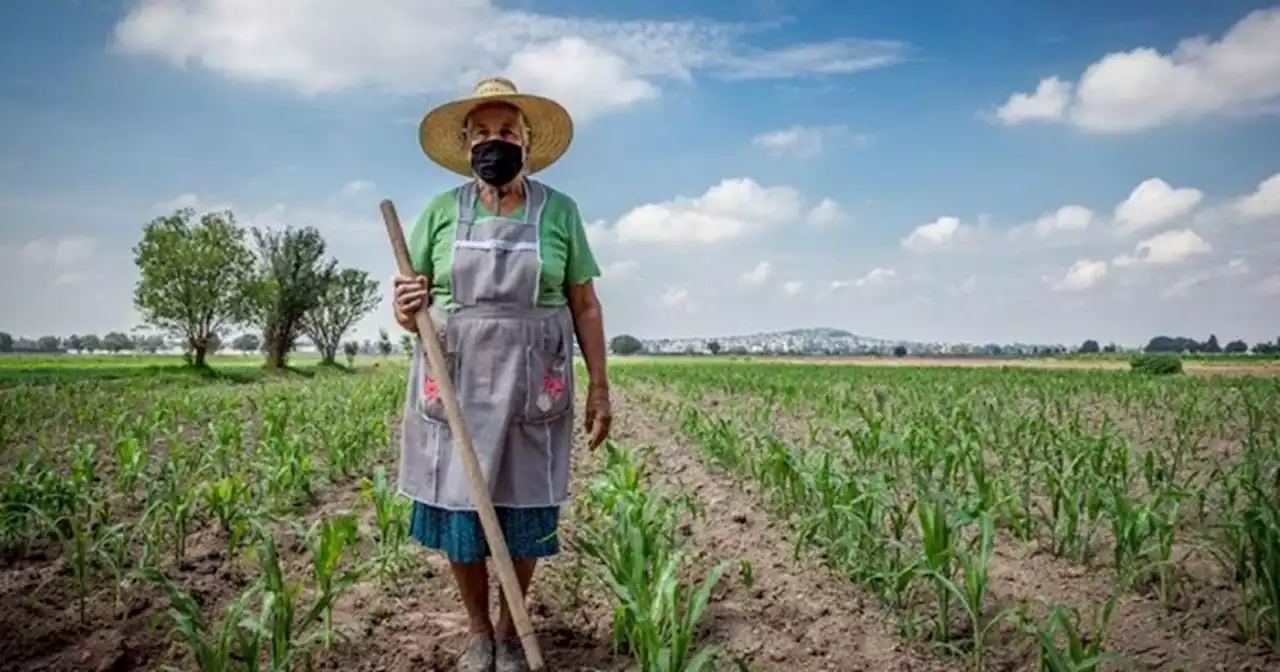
<point x="769" y="515"/>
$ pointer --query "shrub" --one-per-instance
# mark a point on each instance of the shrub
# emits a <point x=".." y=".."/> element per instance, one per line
<point x="1156" y="365"/>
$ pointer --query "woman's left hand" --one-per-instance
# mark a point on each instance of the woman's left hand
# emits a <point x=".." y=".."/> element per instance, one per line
<point x="599" y="415"/>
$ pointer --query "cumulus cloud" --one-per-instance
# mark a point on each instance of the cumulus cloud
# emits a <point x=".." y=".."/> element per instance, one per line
<point x="1154" y="203"/>
<point x="1143" y="88"/>
<point x="415" y="47"/>
<point x="1263" y="202"/>
<point x="936" y="234"/>
<point x="1082" y="275"/>
<point x="829" y="213"/>
<point x="1170" y="247"/>
<point x="677" y="298"/>
<point x="1067" y="219"/>
<point x="803" y="141"/>
<point x="734" y="209"/>
<point x="757" y="275"/>
<point x="356" y="188"/>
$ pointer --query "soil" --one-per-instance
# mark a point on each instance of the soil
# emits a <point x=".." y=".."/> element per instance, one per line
<point x="792" y="615"/>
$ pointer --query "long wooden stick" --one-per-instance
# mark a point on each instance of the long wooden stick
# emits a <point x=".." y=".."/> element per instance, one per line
<point x="462" y="443"/>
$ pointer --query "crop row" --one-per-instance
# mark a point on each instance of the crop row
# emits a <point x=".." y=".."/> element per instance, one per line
<point x="905" y="481"/>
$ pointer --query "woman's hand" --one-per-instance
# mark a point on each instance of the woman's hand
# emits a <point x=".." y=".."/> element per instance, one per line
<point x="599" y="415"/>
<point x="410" y="294"/>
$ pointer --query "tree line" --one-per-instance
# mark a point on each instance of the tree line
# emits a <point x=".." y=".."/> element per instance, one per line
<point x="200" y="280"/>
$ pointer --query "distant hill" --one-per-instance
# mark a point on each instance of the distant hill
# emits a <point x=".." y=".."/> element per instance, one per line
<point x="818" y="332"/>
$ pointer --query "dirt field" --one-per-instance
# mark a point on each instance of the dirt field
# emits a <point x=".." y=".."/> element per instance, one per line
<point x="791" y="611"/>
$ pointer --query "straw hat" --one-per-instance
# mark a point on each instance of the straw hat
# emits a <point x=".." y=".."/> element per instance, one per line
<point x="441" y="130"/>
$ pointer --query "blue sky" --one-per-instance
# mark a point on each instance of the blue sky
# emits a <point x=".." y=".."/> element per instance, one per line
<point x="978" y="170"/>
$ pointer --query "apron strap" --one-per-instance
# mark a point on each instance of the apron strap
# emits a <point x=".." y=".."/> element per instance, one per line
<point x="466" y="204"/>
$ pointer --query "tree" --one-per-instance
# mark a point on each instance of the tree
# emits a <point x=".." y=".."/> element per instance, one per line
<point x="246" y="343"/>
<point x="1089" y="347"/>
<point x="1236" y="347"/>
<point x="625" y="344"/>
<point x="1211" y="346"/>
<point x="291" y="280"/>
<point x="6" y="342"/>
<point x="192" y="277"/>
<point x="149" y="343"/>
<point x="349" y="297"/>
<point x="351" y="349"/>
<point x="406" y="344"/>
<point x="899" y="351"/>
<point x="115" y="341"/>
<point x="384" y="342"/>
<point x="73" y="343"/>
<point x="49" y="344"/>
<point x="91" y="343"/>
<point x="713" y="347"/>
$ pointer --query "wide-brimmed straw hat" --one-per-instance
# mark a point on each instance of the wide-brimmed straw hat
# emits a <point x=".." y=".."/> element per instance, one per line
<point x="442" y="137"/>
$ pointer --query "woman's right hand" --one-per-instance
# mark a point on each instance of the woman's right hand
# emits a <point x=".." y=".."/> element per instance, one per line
<point x="410" y="294"/>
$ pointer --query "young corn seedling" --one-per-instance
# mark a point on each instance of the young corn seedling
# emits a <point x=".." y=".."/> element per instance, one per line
<point x="227" y="500"/>
<point x="229" y="645"/>
<point x="1083" y="651"/>
<point x="331" y="540"/>
<point x="391" y="513"/>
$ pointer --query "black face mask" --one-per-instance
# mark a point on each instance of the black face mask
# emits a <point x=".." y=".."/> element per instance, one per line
<point x="497" y="162"/>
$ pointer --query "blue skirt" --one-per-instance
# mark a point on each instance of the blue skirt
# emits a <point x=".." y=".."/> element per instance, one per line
<point x="529" y="532"/>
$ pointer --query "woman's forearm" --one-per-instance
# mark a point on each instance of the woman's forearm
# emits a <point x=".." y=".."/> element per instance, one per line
<point x="589" y="326"/>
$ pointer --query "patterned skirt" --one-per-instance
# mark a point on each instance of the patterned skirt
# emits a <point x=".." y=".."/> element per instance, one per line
<point x="529" y="532"/>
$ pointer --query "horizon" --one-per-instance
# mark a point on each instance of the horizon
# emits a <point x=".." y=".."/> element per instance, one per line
<point x="999" y="173"/>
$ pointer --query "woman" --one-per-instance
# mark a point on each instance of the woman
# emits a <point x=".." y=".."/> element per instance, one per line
<point x="506" y="271"/>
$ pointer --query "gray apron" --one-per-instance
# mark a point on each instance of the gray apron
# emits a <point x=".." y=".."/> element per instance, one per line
<point x="511" y="363"/>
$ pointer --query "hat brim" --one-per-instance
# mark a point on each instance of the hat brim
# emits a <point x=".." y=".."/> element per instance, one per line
<point x="441" y="131"/>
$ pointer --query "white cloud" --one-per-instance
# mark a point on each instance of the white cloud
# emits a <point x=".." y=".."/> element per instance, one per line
<point x="1235" y="267"/>
<point x="1142" y="88"/>
<point x="677" y="298"/>
<point x="1066" y="219"/>
<point x="936" y="234"/>
<point x="736" y="208"/>
<point x="1048" y="103"/>
<point x="797" y="141"/>
<point x="1082" y="275"/>
<point x="1154" y="203"/>
<point x="1263" y="202"/>
<point x="792" y="287"/>
<point x="61" y="252"/>
<point x="444" y="46"/>
<point x="357" y="187"/>
<point x="1170" y="247"/>
<point x="829" y="213"/>
<point x="876" y="277"/>
<point x="620" y="270"/>
<point x="756" y="276"/>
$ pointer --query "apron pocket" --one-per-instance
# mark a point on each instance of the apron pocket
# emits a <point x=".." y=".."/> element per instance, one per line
<point x="430" y="404"/>
<point x="547" y="391"/>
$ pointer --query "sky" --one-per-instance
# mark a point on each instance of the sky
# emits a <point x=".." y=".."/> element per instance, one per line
<point x="933" y="170"/>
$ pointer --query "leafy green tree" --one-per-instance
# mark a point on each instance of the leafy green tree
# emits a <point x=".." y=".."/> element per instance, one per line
<point x="115" y="342"/>
<point x="6" y="342"/>
<point x="1211" y="346"/>
<point x="713" y="347"/>
<point x="49" y="344"/>
<point x="625" y="344"/>
<point x="406" y="344"/>
<point x="91" y="343"/>
<point x="73" y="343"/>
<point x="351" y="349"/>
<point x="1236" y="347"/>
<point x="246" y="343"/>
<point x="349" y="297"/>
<point x="1089" y="347"/>
<point x="192" y="277"/>
<point x="384" y="342"/>
<point x="292" y="278"/>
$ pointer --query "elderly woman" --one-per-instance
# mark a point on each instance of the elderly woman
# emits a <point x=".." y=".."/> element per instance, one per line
<point x="506" y="271"/>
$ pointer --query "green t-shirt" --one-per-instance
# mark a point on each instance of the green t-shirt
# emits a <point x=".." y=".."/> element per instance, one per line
<point x="566" y="254"/>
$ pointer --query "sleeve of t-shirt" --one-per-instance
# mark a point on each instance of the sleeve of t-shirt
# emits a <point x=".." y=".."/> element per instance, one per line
<point x="422" y="240"/>
<point x="580" y="266"/>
